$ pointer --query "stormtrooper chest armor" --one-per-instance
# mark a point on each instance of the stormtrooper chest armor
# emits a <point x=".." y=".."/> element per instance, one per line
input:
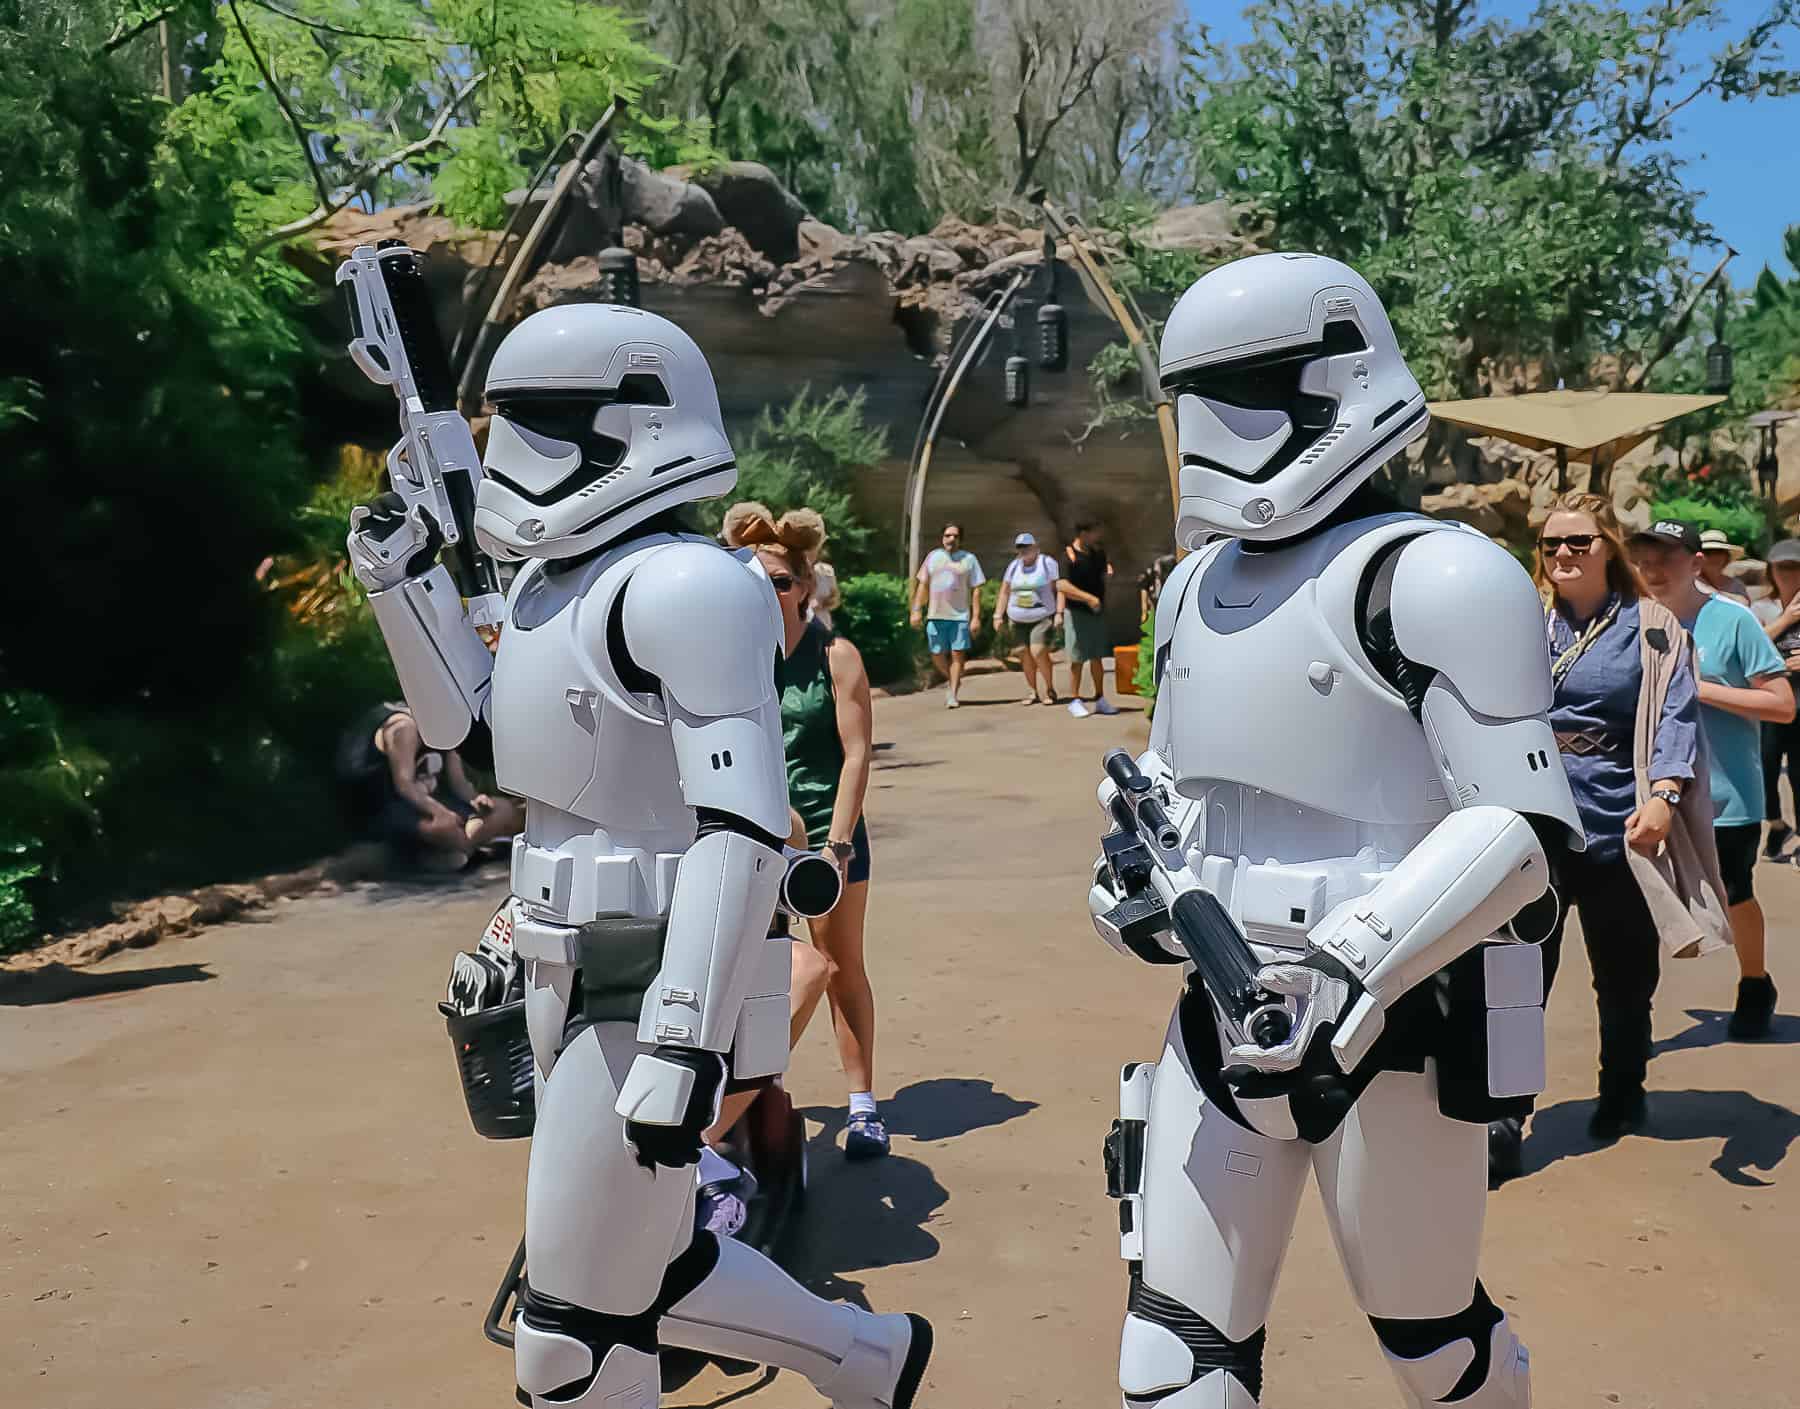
<point x="595" y="760"/>
<point x="1311" y="774"/>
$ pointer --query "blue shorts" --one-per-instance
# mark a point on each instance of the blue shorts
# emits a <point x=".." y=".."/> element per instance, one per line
<point x="858" y="869"/>
<point x="943" y="637"/>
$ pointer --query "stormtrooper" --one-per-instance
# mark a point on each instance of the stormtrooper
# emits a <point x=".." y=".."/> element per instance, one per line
<point x="1351" y="749"/>
<point x="631" y="702"/>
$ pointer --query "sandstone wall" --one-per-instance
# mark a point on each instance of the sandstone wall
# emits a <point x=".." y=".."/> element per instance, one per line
<point x="802" y="304"/>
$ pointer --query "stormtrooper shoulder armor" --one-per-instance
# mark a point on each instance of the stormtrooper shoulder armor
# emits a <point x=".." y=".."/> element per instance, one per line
<point x="1462" y="606"/>
<point x="705" y="626"/>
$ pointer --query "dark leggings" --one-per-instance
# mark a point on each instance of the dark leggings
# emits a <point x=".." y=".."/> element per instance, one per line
<point x="1625" y="954"/>
<point x="1779" y="742"/>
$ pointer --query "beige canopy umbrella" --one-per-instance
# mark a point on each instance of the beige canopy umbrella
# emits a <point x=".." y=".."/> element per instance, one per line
<point x="1591" y="427"/>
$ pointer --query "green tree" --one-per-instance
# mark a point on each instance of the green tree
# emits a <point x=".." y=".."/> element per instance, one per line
<point x="313" y="104"/>
<point x="1508" y="188"/>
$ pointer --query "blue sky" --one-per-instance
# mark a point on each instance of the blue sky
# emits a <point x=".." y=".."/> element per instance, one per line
<point x="1744" y="156"/>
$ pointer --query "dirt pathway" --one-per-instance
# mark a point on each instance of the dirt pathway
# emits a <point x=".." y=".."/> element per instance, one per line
<point x="237" y="1172"/>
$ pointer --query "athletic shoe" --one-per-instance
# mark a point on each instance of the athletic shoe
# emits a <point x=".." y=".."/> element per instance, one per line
<point x="951" y="702"/>
<point x="723" y="1207"/>
<point x="1755" y="1009"/>
<point x="1105" y="706"/>
<point x="1779" y="832"/>
<point x="1029" y="700"/>
<point x="865" y="1137"/>
<point x="1078" y="709"/>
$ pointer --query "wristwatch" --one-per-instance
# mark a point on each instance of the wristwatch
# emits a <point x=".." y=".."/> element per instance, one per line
<point x="1668" y="795"/>
<point x="843" y="850"/>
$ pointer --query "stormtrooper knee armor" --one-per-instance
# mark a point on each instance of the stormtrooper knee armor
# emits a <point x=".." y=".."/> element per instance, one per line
<point x="1351" y="741"/>
<point x="631" y="703"/>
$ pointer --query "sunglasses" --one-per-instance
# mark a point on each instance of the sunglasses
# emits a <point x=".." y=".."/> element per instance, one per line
<point x="780" y="581"/>
<point x="1574" y="542"/>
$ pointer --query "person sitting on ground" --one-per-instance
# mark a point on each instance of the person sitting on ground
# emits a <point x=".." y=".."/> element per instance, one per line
<point x="1743" y="682"/>
<point x="1030" y="601"/>
<point x="1780" y="618"/>
<point x="1083" y="589"/>
<point x="1717" y="552"/>
<point x="952" y="577"/>
<point x="418" y="800"/>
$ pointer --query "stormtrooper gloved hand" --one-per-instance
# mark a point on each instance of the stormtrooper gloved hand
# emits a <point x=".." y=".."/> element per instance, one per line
<point x="390" y="543"/>
<point x="669" y="1098"/>
<point x="1326" y="990"/>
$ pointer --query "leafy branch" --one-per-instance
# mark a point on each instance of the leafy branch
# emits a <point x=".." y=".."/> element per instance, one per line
<point x="330" y="205"/>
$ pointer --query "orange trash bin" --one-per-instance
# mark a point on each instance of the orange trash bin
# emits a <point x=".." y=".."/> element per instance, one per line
<point x="1125" y="661"/>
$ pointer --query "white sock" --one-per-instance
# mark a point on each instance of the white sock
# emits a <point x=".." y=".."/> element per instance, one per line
<point x="715" y="1168"/>
<point x="862" y="1103"/>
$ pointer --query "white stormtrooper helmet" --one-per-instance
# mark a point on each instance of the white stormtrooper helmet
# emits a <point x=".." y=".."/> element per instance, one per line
<point x="604" y="417"/>
<point x="1289" y="391"/>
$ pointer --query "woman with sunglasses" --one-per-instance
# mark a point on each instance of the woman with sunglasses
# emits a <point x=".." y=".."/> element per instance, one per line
<point x="827" y="725"/>
<point x="1595" y="606"/>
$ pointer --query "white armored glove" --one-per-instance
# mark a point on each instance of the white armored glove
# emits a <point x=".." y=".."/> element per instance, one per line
<point x="669" y="1097"/>
<point x="390" y="543"/>
<point x="1326" y="990"/>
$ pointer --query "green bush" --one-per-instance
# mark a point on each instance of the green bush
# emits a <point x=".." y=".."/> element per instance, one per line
<point x="808" y="455"/>
<point x="18" y="916"/>
<point x="873" y="615"/>
<point x="1145" y="677"/>
<point x="1743" y="523"/>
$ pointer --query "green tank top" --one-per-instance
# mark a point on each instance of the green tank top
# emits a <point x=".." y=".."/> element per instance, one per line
<point x="809" y="731"/>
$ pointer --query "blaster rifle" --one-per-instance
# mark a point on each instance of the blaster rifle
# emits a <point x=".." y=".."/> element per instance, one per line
<point x="1161" y="892"/>
<point x="394" y="340"/>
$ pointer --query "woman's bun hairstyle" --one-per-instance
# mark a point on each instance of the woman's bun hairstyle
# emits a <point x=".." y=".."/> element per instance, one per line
<point x="800" y="533"/>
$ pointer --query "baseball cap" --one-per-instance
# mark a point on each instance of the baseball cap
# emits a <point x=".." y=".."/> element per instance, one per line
<point x="1786" y="551"/>
<point x="1670" y="531"/>
<point x="1713" y="540"/>
<point x="1024" y="540"/>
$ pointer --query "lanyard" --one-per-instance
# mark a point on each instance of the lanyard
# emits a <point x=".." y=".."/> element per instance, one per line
<point x="1564" y="663"/>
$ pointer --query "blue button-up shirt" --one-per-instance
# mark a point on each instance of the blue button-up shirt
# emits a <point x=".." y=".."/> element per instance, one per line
<point x="1599" y="696"/>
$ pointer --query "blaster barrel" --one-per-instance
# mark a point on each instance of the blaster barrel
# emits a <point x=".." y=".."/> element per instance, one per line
<point x="1221" y="956"/>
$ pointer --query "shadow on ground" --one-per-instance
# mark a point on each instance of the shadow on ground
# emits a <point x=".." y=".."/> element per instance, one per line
<point x="55" y="983"/>
<point x="1708" y="1030"/>
<point x="877" y="1214"/>
<point x="1756" y="1134"/>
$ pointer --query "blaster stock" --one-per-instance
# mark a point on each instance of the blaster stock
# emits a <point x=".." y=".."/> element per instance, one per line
<point x="394" y="340"/>
<point x="1160" y="892"/>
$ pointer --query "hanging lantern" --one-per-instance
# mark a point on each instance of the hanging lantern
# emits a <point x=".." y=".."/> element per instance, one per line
<point x="1719" y="356"/>
<point x="1018" y="380"/>
<point x="619" y="277"/>
<point x="1053" y="337"/>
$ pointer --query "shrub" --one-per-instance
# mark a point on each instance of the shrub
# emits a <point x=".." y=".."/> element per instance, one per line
<point x="1145" y="678"/>
<point x="1743" y="523"/>
<point x="873" y="615"/>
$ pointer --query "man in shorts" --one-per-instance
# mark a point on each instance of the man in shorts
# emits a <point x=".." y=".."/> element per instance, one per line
<point x="1742" y="682"/>
<point x="949" y="582"/>
<point x="1085" y="637"/>
<point x="1030" y="601"/>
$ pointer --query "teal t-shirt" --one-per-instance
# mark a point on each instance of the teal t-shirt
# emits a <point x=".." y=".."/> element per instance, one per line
<point x="1732" y="649"/>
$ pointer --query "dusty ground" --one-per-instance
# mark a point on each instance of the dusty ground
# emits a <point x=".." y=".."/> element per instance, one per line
<point x="237" y="1171"/>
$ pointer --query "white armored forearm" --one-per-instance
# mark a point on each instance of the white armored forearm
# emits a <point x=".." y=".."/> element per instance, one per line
<point x="445" y="670"/>
<point x="718" y="928"/>
<point x="1471" y="874"/>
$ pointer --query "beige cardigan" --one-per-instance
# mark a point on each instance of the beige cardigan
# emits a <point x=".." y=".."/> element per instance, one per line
<point x="1681" y="882"/>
